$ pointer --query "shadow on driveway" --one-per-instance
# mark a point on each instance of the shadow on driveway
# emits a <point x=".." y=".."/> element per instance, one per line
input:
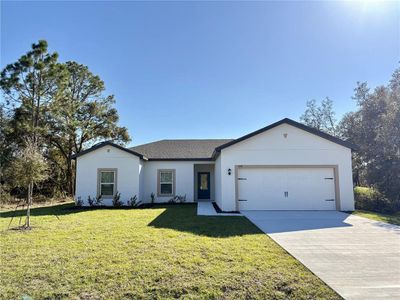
<point x="288" y="221"/>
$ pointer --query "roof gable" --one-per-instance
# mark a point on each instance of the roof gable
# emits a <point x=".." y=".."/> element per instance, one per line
<point x="108" y="143"/>
<point x="292" y="123"/>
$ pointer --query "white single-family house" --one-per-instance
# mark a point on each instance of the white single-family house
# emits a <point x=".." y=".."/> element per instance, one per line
<point x="283" y="166"/>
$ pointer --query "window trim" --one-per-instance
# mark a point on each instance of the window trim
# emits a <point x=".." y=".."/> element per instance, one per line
<point x="99" y="171"/>
<point x="159" y="182"/>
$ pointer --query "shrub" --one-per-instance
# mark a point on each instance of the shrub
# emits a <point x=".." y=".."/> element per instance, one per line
<point x="152" y="197"/>
<point x="370" y="199"/>
<point x="6" y="197"/>
<point x="178" y="199"/>
<point x="79" y="202"/>
<point x="99" y="200"/>
<point x="95" y="201"/>
<point x="117" y="200"/>
<point x="90" y="201"/>
<point x="133" y="202"/>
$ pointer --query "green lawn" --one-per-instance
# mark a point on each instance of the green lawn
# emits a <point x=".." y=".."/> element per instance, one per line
<point x="392" y="218"/>
<point x="164" y="252"/>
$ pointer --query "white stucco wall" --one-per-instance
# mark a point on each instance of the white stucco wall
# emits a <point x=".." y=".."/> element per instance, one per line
<point x="184" y="175"/>
<point x="272" y="148"/>
<point x="127" y="166"/>
<point x="141" y="180"/>
<point x="217" y="176"/>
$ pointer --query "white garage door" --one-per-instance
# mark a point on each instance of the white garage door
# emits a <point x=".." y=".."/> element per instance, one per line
<point x="286" y="189"/>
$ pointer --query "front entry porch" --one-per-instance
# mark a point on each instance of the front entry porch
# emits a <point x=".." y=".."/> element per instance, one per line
<point x="206" y="208"/>
<point x="204" y="182"/>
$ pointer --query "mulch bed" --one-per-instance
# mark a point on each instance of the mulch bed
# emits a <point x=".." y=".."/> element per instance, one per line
<point x="218" y="210"/>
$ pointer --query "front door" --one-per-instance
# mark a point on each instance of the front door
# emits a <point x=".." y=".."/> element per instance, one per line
<point x="203" y="185"/>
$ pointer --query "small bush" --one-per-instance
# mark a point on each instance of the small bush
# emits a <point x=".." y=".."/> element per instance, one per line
<point x="372" y="200"/>
<point x="133" y="202"/>
<point x="98" y="201"/>
<point x="79" y="202"/>
<point x="6" y="197"/>
<point x="117" y="200"/>
<point x="178" y="199"/>
<point x="152" y="197"/>
<point x="91" y="201"/>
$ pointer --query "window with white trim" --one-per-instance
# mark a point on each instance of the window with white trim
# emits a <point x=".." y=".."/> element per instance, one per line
<point x="166" y="182"/>
<point x="107" y="183"/>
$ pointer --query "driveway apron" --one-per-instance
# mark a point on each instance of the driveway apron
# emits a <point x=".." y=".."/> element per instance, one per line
<point x="357" y="257"/>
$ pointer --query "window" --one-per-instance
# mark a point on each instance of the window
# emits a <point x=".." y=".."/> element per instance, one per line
<point x="166" y="182"/>
<point x="204" y="181"/>
<point x="107" y="182"/>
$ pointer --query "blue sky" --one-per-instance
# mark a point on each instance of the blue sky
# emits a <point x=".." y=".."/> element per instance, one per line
<point x="213" y="69"/>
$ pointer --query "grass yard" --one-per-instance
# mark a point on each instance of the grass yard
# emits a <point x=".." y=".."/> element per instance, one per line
<point x="158" y="253"/>
<point x="388" y="218"/>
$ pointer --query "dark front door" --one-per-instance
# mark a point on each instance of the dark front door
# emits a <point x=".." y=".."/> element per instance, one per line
<point x="203" y="185"/>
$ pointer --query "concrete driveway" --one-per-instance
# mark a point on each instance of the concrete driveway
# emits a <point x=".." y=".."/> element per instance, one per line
<point x="357" y="257"/>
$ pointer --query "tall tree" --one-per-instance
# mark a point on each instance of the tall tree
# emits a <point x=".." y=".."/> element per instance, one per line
<point x="82" y="116"/>
<point x="6" y="146"/>
<point x="375" y="128"/>
<point x="321" y="117"/>
<point x="29" y="85"/>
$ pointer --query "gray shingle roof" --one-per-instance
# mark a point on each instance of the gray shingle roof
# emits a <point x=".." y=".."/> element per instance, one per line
<point x="180" y="149"/>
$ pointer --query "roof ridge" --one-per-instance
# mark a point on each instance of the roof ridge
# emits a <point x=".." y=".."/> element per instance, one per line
<point x="180" y="149"/>
<point x="178" y="140"/>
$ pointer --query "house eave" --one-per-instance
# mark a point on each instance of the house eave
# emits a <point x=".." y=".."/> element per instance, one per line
<point x="294" y="124"/>
<point x="108" y="143"/>
<point x="182" y="159"/>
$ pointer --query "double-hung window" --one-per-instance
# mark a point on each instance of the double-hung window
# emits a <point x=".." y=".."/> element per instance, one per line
<point x="107" y="182"/>
<point x="166" y="183"/>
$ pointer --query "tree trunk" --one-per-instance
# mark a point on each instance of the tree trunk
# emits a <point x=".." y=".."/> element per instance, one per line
<point x="70" y="176"/>
<point x="29" y="203"/>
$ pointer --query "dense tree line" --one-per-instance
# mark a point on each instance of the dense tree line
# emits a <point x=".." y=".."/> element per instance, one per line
<point x="54" y="110"/>
<point x="374" y="127"/>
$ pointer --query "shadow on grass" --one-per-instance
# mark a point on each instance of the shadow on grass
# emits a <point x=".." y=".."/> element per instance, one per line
<point x="184" y="218"/>
<point x="181" y="217"/>
<point x="54" y="210"/>
<point x="63" y="209"/>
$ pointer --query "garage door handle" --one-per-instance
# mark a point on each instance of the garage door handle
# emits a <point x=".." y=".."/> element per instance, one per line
<point x="330" y="178"/>
<point x="241" y="178"/>
<point x="330" y="200"/>
<point x="242" y="200"/>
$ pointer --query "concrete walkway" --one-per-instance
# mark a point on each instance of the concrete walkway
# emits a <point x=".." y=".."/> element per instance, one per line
<point x="207" y="209"/>
<point x="359" y="258"/>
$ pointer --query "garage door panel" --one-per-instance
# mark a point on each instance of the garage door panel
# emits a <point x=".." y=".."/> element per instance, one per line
<point x="258" y="183"/>
<point x="310" y="189"/>
<point x="286" y="189"/>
